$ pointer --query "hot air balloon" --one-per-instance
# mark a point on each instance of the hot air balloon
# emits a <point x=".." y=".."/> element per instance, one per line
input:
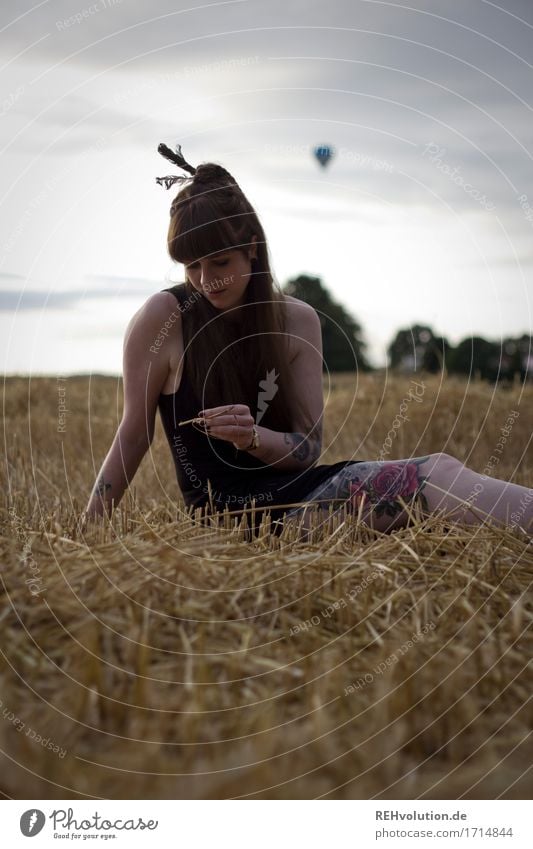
<point x="323" y="152"/>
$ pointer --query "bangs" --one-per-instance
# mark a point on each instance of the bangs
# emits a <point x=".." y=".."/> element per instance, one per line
<point x="197" y="231"/>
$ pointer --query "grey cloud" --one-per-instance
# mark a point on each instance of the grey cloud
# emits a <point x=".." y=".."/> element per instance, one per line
<point x="389" y="113"/>
<point x="31" y="299"/>
<point x="121" y="30"/>
<point x="98" y="287"/>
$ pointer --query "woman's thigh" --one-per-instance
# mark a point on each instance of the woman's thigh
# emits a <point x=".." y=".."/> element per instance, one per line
<point x="372" y="490"/>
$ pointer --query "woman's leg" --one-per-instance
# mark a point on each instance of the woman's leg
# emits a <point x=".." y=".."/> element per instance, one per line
<point x="436" y="482"/>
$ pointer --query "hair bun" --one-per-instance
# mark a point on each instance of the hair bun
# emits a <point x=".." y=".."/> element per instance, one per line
<point x="211" y="174"/>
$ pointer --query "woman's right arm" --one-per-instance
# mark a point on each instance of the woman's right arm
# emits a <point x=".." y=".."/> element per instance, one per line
<point x="145" y="369"/>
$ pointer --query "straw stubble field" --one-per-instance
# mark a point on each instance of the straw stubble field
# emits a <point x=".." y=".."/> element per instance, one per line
<point x="152" y="657"/>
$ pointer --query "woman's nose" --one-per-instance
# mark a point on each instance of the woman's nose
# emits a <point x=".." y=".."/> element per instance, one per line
<point x="204" y="277"/>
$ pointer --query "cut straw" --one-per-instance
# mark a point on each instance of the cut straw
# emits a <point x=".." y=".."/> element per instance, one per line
<point x="201" y="418"/>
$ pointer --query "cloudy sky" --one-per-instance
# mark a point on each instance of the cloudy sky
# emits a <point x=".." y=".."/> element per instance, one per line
<point x="424" y="214"/>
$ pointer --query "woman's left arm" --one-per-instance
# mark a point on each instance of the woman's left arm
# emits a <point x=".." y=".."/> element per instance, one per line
<point x="299" y="449"/>
<point x="296" y="449"/>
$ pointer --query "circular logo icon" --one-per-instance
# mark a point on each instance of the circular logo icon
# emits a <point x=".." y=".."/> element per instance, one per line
<point x="31" y="822"/>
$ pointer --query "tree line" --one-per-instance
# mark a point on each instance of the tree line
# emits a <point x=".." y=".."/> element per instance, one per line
<point x="413" y="349"/>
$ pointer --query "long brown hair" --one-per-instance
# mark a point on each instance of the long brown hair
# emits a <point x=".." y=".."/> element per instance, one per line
<point x="227" y="355"/>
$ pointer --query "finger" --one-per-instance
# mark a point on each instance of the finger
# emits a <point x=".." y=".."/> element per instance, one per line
<point x="218" y="411"/>
<point x="225" y="425"/>
<point x="225" y="429"/>
<point x="226" y="433"/>
<point x="218" y="422"/>
<point x="243" y="420"/>
<point x="227" y="409"/>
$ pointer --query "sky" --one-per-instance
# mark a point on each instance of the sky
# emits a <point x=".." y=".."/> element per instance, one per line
<point x="423" y="215"/>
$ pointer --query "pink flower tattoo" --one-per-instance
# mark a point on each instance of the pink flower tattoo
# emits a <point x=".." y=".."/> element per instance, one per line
<point x="383" y="487"/>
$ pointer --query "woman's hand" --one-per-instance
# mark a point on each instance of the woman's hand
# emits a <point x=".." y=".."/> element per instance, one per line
<point x="231" y="422"/>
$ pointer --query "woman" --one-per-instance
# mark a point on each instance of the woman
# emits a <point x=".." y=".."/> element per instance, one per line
<point x="235" y="369"/>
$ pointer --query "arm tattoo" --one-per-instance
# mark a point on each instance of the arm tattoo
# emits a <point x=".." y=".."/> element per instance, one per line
<point x="303" y="447"/>
<point x="102" y="486"/>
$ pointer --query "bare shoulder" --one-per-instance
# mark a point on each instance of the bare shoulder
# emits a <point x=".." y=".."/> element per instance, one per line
<point x="154" y="329"/>
<point x="153" y="343"/>
<point x="159" y="308"/>
<point x="303" y="326"/>
<point x="302" y="317"/>
<point x="297" y="306"/>
<point x="157" y="320"/>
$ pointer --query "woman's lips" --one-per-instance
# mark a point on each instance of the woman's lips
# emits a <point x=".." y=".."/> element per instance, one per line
<point x="216" y="292"/>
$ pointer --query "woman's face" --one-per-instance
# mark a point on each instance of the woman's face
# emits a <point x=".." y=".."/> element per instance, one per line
<point x="222" y="277"/>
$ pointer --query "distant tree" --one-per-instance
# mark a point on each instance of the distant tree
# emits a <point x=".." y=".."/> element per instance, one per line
<point x="415" y="348"/>
<point x="517" y="357"/>
<point x="525" y="356"/>
<point x="476" y="356"/>
<point x="436" y="355"/>
<point x="343" y="347"/>
<point x="509" y="358"/>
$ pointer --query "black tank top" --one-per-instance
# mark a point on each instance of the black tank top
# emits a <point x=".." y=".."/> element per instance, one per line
<point x="235" y="476"/>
